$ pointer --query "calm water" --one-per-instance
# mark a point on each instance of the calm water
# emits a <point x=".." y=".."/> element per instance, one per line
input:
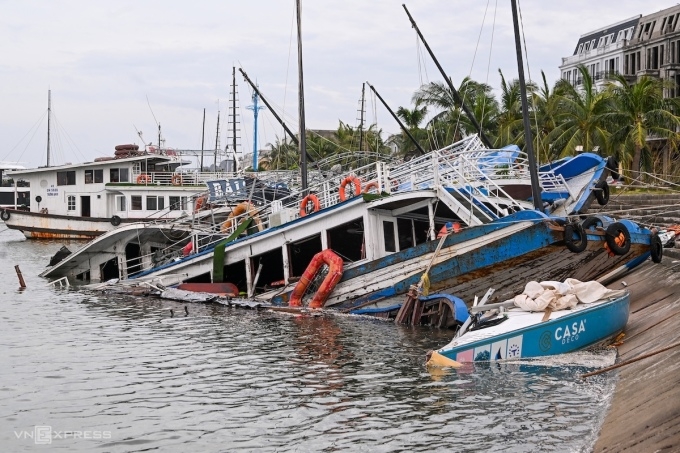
<point x="117" y="373"/>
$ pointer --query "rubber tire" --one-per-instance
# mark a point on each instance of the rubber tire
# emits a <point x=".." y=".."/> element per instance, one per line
<point x="656" y="248"/>
<point x="115" y="220"/>
<point x="613" y="166"/>
<point x="612" y="232"/>
<point x="5" y="215"/>
<point x="590" y="222"/>
<point x="602" y="196"/>
<point x="582" y="242"/>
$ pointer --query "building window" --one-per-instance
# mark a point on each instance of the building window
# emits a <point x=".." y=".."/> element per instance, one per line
<point x="119" y="175"/>
<point x="178" y="203"/>
<point x="94" y="176"/>
<point x="580" y="48"/>
<point x="71" y="203"/>
<point x="155" y="203"/>
<point x="89" y="176"/>
<point x="121" y="204"/>
<point x="136" y="202"/>
<point x="99" y="176"/>
<point x="66" y="178"/>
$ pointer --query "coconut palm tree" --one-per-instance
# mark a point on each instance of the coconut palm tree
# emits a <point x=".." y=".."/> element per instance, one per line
<point x="639" y="112"/>
<point x="580" y="116"/>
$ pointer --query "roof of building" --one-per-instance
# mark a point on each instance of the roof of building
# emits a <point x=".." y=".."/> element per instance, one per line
<point x="608" y="30"/>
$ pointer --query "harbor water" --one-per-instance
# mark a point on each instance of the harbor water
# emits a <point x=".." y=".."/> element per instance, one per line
<point x="94" y="372"/>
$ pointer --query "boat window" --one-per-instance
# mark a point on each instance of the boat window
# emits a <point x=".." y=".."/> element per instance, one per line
<point x="99" y="176"/>
<point x="66" y="178"/>
<point x="347" y="240"/>
<point x="301" y="252"/>
<point x="155" y="203"/>
<point x="271" y="272"/>
<point x="71" y="203"/>
<point x="136" y="202"/>
<point x="411" y="232"/>
<point x="121" y="205"/>
<point x="119" y="175"/>
<point x="178" y="203"/>
<point x="388" y="234"/>
<point x="89" y="176"/>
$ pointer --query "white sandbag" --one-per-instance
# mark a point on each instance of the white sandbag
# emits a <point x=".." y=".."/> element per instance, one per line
<point x="589" y="292"/>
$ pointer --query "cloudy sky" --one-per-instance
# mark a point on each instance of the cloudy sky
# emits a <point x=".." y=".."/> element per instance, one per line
<point x="114" y="66"/>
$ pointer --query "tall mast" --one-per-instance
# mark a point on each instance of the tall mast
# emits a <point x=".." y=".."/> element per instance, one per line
<point x="255" y="108"/>
<point x="396" y="118"/>
<point x="456" y="96"/>
<point x="301" y="106"/>
<point x="49" y="114"/>
<point x="202" y="139"/>
<point x="233" y="112"/>
<point x="361" y="124"/>
<point x="217" y="138"/>
<point x="529" y="141"/>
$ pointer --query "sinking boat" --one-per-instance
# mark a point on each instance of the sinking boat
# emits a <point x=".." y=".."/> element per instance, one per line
<point x="488" y="333"/>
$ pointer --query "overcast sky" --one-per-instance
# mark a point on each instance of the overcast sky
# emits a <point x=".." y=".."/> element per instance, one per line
<point x="104" y="59"/>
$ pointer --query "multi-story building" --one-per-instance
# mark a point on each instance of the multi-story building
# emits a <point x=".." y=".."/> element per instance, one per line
<point x="642" y="45"/>
<point x="654" y="50"/>
<point x="601" y="51"/>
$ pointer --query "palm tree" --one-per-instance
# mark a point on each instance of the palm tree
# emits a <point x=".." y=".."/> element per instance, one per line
<point x="544" y="110"/>
<point x="640" y="112"/>
<point x="283" y="155"/>
<point x="580" y="120"/>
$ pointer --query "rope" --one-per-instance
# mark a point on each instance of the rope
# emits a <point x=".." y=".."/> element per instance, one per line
<point x="627" y="362"/>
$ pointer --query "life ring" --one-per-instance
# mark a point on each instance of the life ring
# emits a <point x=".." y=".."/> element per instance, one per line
<point x="602" y="193"/>
<point x="372" y="185"/>
<point x="4" y="215"/>
<point x="115" y="220"/>
<point x="241" y="208"/>
<point x="334" y="275"/>
<point x="143" y="179"/>
<point x="176" y="179"/>
<point x="656" y="248"/>
<point x="349" y="179"/>
<point x="127" y="147"/>
<point x="200" y="201"/>
<point x="186" y="250"/>
<point x="305" y="201"/>
<point x="575" y="245"/>
<point x="617" y="239"/>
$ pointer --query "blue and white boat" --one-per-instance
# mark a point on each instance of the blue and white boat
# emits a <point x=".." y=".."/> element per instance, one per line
<point x="519" y="334"/>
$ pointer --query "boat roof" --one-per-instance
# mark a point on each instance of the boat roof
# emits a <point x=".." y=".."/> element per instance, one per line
<point x="104" y="163"/>
<point x="11" y="166"/>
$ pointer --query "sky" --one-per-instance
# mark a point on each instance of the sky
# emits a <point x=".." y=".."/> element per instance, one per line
<point x="117" y="68"/>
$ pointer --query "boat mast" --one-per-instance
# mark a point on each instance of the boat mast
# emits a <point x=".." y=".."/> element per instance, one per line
<point x="202" y="139"/>
<point x="255" y="108"/>
<point x="217" y="138"/>
<point x="529" y="141"/>
<point x="454" y="92"/>
<point x="233" y="112"/>
<point x="361" y="124"/>
<point x="49" y="114"/>
<point x="301" y="100"/>
<point x="396" y="118"/>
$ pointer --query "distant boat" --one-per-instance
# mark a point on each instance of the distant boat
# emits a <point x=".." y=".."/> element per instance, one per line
<point x="490" y="333"/>
<point x="13" y="194"/>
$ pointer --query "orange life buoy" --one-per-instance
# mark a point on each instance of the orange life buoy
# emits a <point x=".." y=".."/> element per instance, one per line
<point x="350" y="179"/>
<point x="372" y="185"/>
<point x="186" y="250"/>
<point x="303" y="205"/>
<point x="176" y="179"/>
<point x="143" y="178"/>
<point x="448" y="228"/>
<point x="200" y="201"/>
<point x="335" y="265"/>
<point x="241" y="208"/>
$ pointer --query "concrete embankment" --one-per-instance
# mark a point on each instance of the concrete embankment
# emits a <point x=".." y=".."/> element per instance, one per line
<point x="645" y="411"/>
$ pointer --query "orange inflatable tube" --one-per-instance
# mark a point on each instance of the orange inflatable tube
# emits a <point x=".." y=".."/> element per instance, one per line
<point x="335" y="264"/>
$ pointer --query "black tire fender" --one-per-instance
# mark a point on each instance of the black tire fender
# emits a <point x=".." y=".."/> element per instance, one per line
<point x="115" y="220"/>
<point x="591" y="222"/>
<point x="613" y="231"/>
<point x="602" y="193"/>
<point x="613" y="166"/>
<point x="5" y="215"/>
<point x="575" y="245"/>
<point x="656" y="248"/>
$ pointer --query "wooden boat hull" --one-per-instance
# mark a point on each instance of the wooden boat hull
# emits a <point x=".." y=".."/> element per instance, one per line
<point x="524" y="335"/>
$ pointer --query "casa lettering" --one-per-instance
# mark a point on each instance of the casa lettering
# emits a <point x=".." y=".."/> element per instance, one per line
<point x="569" y="333"/>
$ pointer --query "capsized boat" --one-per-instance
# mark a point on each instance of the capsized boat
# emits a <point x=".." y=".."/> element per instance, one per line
<point x="549" y="318"/>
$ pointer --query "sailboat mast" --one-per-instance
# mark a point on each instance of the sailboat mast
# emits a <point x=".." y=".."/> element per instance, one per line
<point x="233" y="112"/>
<point x="454" y="92"/>
<point x="202" y="139"/>
<point x="217" y="138"/>
<point x="49" y="114"/>
<point x="529" y="141"/>
<point x="361" y="124"/>
<point x="301" y="99"/>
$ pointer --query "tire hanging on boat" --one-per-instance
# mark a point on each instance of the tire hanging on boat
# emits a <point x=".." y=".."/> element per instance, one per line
<point x="602" y="193"/>
<point x="4" y="215"/>
<point x="575" y="245"/>
<point x="656" y="248"/>
<point x="617" y="238"/>
<point x="613" y="166"/>
<point x="334" y="275"/>
<point x="591" y="222"/>
<point x="115" y="220"/>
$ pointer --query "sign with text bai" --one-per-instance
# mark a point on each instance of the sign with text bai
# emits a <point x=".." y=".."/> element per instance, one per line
<point x="220" y="189"/>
